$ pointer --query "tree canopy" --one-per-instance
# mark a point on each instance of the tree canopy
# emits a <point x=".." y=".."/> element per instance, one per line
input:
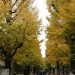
<point x="61" y="33"/>
<point x="18" y="33"/>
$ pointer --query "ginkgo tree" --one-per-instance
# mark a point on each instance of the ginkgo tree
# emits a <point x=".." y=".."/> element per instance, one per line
<point x="61" y="33"/>
<point x="18" y="34"/>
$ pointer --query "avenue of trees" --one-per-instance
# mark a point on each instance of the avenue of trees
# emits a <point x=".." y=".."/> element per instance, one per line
<point x="19" y="46"/>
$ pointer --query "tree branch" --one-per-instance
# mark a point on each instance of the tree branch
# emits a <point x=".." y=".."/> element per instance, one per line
<point x="19" y="46"/>
<point x="14" y="3"/>
<point x="54" y="8"/>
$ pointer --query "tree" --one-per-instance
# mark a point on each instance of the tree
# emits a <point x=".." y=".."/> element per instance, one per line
<point x="17" y="33"/>
<point x="61" y="31"/>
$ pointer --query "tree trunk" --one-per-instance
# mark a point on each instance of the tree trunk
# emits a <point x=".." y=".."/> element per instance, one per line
<point x="9" y="65"/>
<point x="58" y="68"/>
<point x="53" y="71"/>
<point x="67" y="70"/>
<point x="63" y="71"/>
<point x="11" y="68"/>
<point x="26" y="70"/>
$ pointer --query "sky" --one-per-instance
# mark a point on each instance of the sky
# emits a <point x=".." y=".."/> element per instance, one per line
<point x="43" y="13"/>
<point x="42" y="16"/>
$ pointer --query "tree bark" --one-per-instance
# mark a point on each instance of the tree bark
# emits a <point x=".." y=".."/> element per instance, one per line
<point x="11" y="68"/>
<point x="9" y="65"/>
<point x="58" y="68"/>
<point x="53" y="69"/>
